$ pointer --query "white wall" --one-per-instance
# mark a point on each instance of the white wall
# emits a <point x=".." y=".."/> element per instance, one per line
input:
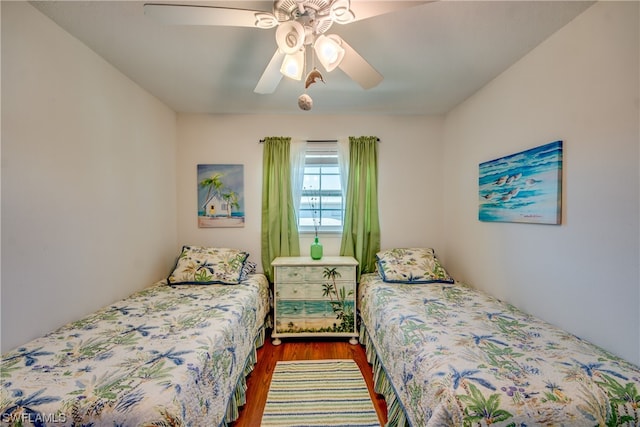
<point x="88" y="179"/>
<point x="410" y="173"/>
<point x="93" y="183"/>
<point x="580" y="86"/>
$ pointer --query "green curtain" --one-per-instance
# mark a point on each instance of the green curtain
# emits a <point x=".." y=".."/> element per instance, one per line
<point x="279" y="225"/>
<point x="361" y="228"/>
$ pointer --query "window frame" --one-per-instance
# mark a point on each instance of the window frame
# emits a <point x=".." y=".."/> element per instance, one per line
<point x="321" y="156"/>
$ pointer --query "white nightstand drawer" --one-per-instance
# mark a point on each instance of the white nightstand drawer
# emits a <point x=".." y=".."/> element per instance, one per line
<point x="289" y="274"/>
<point x="291" y="291"/>
<point x="307" y="308"/>
<point x="313" y="274"/>
<point x="312" y="291"/>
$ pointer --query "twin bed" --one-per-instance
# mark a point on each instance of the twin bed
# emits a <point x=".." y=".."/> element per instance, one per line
<point x="444" y="354"/>
<point x="176" y="353"/>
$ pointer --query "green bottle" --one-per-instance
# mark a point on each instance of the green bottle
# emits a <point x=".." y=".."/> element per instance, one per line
<point x="316" y="249"/>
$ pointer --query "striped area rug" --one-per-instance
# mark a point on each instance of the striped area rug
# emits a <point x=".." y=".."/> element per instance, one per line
<point x="318" y="393"/>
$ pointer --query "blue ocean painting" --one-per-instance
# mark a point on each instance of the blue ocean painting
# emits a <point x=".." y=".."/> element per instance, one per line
<point x="522" y="187"/>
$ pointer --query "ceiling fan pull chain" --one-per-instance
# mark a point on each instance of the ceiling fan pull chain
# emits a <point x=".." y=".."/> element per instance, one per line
<point x="305" y="59"/>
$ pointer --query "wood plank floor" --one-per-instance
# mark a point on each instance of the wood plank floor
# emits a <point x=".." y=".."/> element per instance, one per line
<point x="298" y="349"/>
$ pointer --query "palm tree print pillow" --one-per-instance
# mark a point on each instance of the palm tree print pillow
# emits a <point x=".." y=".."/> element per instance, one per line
<point x="411" y="265"/>
<point x="205" y="266"/>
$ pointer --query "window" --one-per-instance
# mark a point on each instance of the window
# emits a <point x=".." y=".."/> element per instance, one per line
<point x="321" y="201"/>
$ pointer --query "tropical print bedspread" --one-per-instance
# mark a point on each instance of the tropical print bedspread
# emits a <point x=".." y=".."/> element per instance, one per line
<point x="458" y="357"/>
<point x="165" y="356"/>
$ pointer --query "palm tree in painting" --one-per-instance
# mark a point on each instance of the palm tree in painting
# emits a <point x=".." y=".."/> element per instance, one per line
<point x="343" y="312"/>
<point x="330" y="288"/>
<point x="231" y="199"/>
<point x="214" y="186"/>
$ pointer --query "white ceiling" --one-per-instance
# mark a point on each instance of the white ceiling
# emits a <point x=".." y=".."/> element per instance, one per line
<point x="432" y="55"/>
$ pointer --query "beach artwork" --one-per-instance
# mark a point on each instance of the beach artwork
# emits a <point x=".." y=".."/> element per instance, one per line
<point x="220" y="196"/>
<point x="522" y="187"/>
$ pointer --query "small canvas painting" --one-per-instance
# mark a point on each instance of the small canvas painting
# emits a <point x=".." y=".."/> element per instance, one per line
<point x="523" y="187"/>
<point x="220" y="196"/>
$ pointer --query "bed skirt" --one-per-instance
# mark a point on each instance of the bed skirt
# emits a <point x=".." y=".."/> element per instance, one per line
<point x="396" y="416"/>
<point x="239" y="396"/>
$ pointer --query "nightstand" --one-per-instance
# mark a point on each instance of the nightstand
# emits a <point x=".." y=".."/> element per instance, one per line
<point x="315" y="298"/>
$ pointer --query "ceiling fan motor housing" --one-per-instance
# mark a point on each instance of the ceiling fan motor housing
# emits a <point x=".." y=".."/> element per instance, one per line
<point x="317" y="13"/>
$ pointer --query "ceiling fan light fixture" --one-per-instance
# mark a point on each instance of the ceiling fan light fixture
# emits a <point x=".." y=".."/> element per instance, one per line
<point x="290" y="37"/>
<point x="329" y="51"/>
<point x="293" y="65"/>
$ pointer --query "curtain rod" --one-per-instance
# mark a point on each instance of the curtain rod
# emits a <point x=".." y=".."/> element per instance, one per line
<point x="317" y="140"/>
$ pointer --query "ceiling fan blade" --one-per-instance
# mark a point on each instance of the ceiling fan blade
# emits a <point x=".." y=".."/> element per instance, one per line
<point x="271" y="76"/>
<point x="363" y="10"/>
<point x="356" y="67"/>
<point x="174" y="14"/>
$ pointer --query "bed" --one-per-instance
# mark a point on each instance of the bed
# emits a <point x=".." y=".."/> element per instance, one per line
<point x="174" y="354"/>
<point x="444" y="354"/>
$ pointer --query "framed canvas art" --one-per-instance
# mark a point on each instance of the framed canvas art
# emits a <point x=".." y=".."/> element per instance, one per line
<point x="220" y="196"/>
<point x="522" y="187"/>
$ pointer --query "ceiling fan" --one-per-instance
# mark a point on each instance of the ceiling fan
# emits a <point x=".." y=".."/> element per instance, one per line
<point x="301" y="26"/>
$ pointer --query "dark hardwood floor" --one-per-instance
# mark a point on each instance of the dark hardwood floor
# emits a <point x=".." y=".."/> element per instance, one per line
<point x="299" y="349"/>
